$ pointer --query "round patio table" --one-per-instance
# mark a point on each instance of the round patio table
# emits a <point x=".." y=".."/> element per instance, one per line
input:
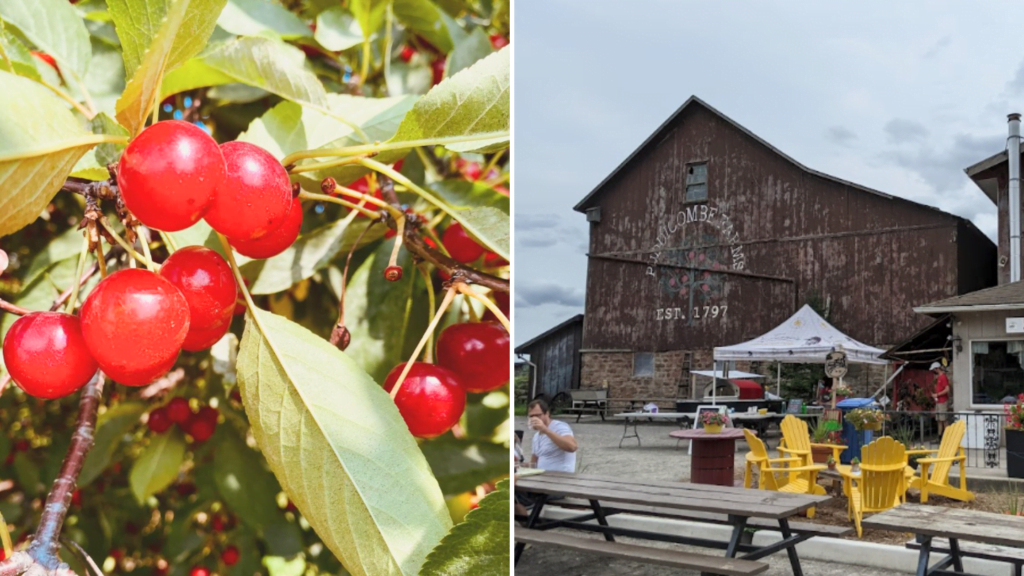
<point x="713" y="458"/>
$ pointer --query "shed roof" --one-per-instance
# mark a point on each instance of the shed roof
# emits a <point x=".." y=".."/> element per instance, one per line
<point x="1005" y="297"/>
<point x="522" y="348"/>
<point x="987" y="182"/>
<point x="588" y="200"/>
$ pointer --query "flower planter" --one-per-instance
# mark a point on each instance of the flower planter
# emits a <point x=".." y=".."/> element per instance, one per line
<point x="874" y="427"/>
<point x="1015" y="453"/>
<point x="840" y="398"/>
<point x="713" y="428"/>
<point x="820" y="454"/>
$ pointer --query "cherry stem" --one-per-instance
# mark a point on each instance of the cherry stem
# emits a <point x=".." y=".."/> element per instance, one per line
<point x="428" y="354"/>
<point x="46" y="543"/>
<point x="473" y="316"/>
<point x="127" y="247"/>
<point x="169" y="242"/>
<point x="144" y="241"/>
<point x="350" y="205"/>
<point x="297" y="169"/>
<point x="400" y="178"/>
<point x="449" y="295"/>
<point x="381" y="147"/>
<point x="13" y="308"/>
<point x="73" y="300"/>
<point x="101" y="261"/>
<point x="238" y="277"/>
<point x="344" y="273"/>
<point x="393" y="261"/>
<point x="466" y="290"/>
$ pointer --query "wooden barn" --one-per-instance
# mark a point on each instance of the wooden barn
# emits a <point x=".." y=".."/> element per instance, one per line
<point x="707" y="235"/>
<point x="554" y="359"/>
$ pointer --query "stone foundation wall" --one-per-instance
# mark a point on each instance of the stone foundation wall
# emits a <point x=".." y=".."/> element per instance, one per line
<point x="614" y="370"/>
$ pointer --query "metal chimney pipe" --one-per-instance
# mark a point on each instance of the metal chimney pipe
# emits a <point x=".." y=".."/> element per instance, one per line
<point x="1013" y="150"/>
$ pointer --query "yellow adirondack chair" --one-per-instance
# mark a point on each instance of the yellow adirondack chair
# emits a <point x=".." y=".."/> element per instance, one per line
<point x="794" y="478"/>
<point x="949" y="451"/>
<point x="882" y="483"/>
<point x="796" y="441"/>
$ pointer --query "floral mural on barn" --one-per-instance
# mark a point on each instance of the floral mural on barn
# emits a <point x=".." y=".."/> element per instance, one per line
<point x="691" y="275"/>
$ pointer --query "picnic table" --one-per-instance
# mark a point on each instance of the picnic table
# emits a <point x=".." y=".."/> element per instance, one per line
<point x="755" y="420"/>
<point x="713" y="457"/>
<point x="939" y="529"/>
<point x="631" y="418"/>
<point x="737" y="506"/>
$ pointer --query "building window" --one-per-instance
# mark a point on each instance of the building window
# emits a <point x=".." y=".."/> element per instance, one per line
<point x="697" y="182"/>
<point x="998" y="375"/>
<point x="643" y="364"/>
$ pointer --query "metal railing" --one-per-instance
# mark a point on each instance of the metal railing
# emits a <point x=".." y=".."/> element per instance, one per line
<point x="983" y="442"/>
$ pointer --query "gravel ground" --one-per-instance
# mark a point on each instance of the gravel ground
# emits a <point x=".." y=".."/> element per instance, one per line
<point x="658" y="458"/>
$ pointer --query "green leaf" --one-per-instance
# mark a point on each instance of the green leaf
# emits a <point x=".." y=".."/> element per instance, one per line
<point x="183" y="538"/>
<point x="462" y="465"/>
<point x="54" y="27"/>
<point x="111" y="428"/>
<point x="340" y="449"/>
<point x="181" y="34"/>
<point x="137" y="24"/>
<point x="337" y="30"/>
<point x="246" y="486"/>
<point x="480" y="544"/>
<point x="382" y="315"/>
<point x="16" y="57"/>
<point x="278" y="566"/>
<point x="259" y="17"/>
<point x="158" y="465"/>
<point x="311" y="252"/>
<point x="490" y="226"/>
<point x="414" y="77"/>
<point x="198" y="234"/>
<point x="28" y="474"/>
<point x="94" y="164"/>
<point x="424" y="17"/>
<point x="105" y="80"/>
<point x="468" y="50"/>
<point x="466" y="194"/>
<point x="474" y="102"/>
<point x="192" y="74"/>
<point x="369" y="14"/>
<point x="249" y="555"/>
<point x="67" y="245"/>
<point x="40" y="142"/>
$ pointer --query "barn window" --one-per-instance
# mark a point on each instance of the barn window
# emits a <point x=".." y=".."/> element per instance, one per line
<point x="998" y="375"/>
<point x="697" y="182"/>
<point x="643" y="364"/>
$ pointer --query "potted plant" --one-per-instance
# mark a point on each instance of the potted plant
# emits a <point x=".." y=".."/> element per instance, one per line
<point x="1015" y="438"/>
<point x="866" y="418"/>
<point x="831" y="463"/>
<point x="713" y="422"/>
<point x="823" y="437"/>
<point x="842" y="392"/>
<point x="855" y="465"/>
<point x="912" y="460"/>
<point x="923" y="399"/>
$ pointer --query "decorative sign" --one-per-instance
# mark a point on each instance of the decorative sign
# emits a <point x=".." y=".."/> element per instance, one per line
<point x="794" y="406"/>
<point x="1015" y="325"/>
<point x="835" y="364"/>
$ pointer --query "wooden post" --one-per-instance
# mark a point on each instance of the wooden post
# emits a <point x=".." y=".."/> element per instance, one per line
<point x="834" y="386"/>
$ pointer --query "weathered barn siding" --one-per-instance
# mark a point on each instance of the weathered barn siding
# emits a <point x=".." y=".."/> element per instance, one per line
<point x="556" y="354"/>
<point x="771" y="236"/>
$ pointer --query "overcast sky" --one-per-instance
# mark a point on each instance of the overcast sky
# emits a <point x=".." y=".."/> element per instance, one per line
<point x="897" y="96"/>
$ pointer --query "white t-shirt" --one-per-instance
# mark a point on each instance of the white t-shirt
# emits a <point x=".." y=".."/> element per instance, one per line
<point x="551" y="457"/>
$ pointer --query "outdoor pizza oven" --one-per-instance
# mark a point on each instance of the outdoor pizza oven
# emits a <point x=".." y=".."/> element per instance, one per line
<point x="734" y="390"/>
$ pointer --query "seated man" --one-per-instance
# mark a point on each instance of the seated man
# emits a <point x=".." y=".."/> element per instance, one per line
<point x="554" y="447"/>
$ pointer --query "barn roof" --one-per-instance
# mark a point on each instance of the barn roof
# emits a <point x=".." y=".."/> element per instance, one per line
<point x="522" y="348"/>
<point x="1005" y="297"/>
<point x="588" y="200"/>
<point x="984" y="175"/>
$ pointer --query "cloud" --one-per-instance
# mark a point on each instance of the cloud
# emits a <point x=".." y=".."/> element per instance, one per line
<point x="901" y="130"/>
<point x="531" y="295"/>
<point x="1016" y="85"/>
<point x="840" y="135"/>
<point x="548" y="230"/>
<point x="943" y="168"/>
<point x="938" y="47"/>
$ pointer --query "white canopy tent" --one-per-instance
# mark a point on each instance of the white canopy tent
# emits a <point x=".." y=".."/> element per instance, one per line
<point x="805" y="338"/>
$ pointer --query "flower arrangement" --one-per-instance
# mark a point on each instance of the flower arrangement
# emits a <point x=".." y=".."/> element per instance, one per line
<point x="842" y="390"/>
<point x="866" y="418"/>
<point x="1015" y="414"/>
<point x="831" y="463"/>
<point x="823" y="434"/>
<point x="913" y="458"/>
<point x="855" y="465"/>
<point x="713" y="419"/>
<point x="923" y="399"/>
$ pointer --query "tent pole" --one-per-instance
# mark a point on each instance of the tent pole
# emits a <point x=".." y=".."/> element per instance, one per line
<point x="778" y="379"/>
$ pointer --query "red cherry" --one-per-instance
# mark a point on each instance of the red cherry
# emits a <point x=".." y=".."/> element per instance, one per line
<point x="255" y="195"/>
<point x="202" y="339"/>
<point x="47" y="356"/>
<point x="76" y="497"/>
<point x="134" y="323"/>
<point x="117" y="554"/>
<point x="199" y="571"/>
<point x="217" y="524"/>
<point x="159" y="421"/>
<point x="22" y="446"/>
<point x="202" y="425"/>
<point x="398" y="165"/>
<point x="229" y="556"/>
<point x="492" y="260"/>
<point x="437" y="66"/>
<point x="393" y="273"/>
<point x="502" y="190"/>
<point x="498" y="41"/>
<point x="471" y="170"/>
<point x="431" y="400"/>
<point x="209" y="287"/>
<point x="407" y="53"/>
<point x="186" y="489"/>
<point x="275" y="241"/>
<point x="363" y="185"/>
<point x="46" y="58"/>
<point x="460" y="245"/>
<point x="178" y="410"/>
<point x="478" y="352"/>
<point x="209" y="414"/>
<point x="240" y="299"/>
<point x="169" y="174"/>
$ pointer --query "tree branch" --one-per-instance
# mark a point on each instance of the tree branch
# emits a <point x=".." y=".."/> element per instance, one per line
<point x="13" y="308"/>
<point x="415" y="244"/>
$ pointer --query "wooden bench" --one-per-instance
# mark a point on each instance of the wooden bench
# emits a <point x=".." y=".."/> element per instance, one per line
<point x="589" y="401"/>
<point x="1005" y="554"/>
<point x="709" y="517"/>
<point x="644" y="554"/>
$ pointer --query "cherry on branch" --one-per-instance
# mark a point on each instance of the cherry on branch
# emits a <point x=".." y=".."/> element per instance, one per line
<point x="134" y="323"/>
<point x="460" y="245"/>
<point x="255" y="195"/>
<point x="47" y="356"/>
<point x="169" y="174"/>
<point x="208" y="285"/>
<point x="431" y="399"/>
<point x="276" y="241"/>
<point x="178" y="410"/>
<point x="159" y="421"/>
<point x="478" y="352"/>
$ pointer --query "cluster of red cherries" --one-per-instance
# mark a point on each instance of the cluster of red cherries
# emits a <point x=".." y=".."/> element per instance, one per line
<point x="199" y="425"/>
